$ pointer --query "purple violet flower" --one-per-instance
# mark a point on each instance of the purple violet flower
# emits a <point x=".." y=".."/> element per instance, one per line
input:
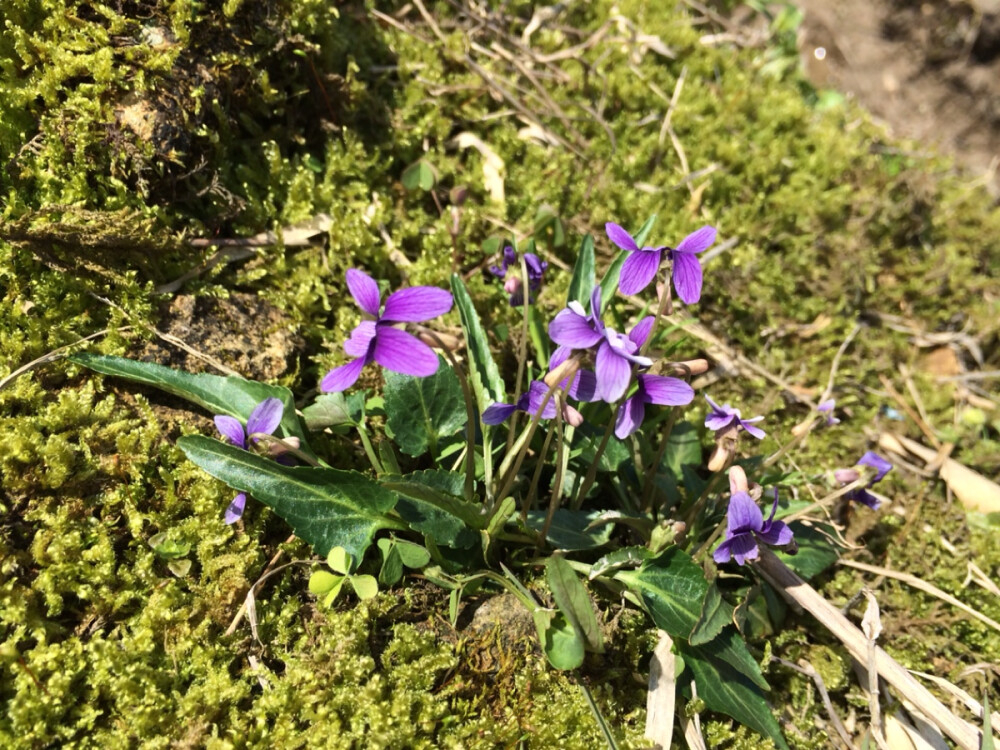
<point x="530" y="402"/>
<point x="827" y="408"/>
<point x="653" y="389"/>
<point x="725" y="416"/>
<point x="264" y="419"/>
<point x="746" y="527"/>
<point x="643" y="262"/>
<point x="572" y="328"/>
<point x="376" y="340"/>
<point x="513" y="283"/>
<point x="862" y="495"/>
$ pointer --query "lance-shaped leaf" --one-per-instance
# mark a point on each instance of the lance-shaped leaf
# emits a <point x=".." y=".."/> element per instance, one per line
<point x="221" y="395"/>
<point x="421" y="411"/>
<point x="584" y="278"/>
<point x="726" y="690"/>
<point x="571" y="530"/>
<point x="443" y="514"/>
<point x="326" y="507"/>
<point x="486" y="381"/>
<point x="574" y="602"/>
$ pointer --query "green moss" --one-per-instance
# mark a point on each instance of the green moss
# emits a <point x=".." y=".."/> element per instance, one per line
<point x="124" y="136"/>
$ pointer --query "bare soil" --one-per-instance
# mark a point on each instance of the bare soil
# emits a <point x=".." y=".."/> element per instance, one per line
<point x="929" y="70"/>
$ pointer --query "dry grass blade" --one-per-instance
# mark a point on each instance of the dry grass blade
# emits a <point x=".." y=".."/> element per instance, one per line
<point x="802" y="594"/>
<point x="662" y="696"/>
<point x="922" y="585"/>
<point x="807" y="669"/>
<point x="971" y="703"/>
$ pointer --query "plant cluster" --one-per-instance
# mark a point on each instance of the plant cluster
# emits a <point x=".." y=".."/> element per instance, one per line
<point x="457" y="474"/>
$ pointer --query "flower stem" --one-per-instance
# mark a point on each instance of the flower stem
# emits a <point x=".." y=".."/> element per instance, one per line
<point x="666" y="306"/>
<point x="522" y="352"/>
<point x="369" y="451"/>
<point x="647" y="485"/>
<point x="588" y="480"/>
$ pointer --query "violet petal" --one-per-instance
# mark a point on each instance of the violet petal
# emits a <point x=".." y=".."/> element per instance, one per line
<point x="569" y="329"/>
<point x="400" y="352"/>
<point x="744" y="547"/>
<point x="640" y="331"/>
<point x="417" y="303"/>
<point x="878" y="463"/>
<point x="343" y="377"/>
<point x="235" y="510"/>
<point x="613" y="373"/>
<point x="231" y="429"/>
<point x="630" y="417"/>
<point x="666" y="391"/>
<point x="638" y="270"/>
<point x="748" y="425"/>
<point x="687" y="277"/>
<point x="364" y="290"/>
<point x="744" y="514"/>
<point x="266" y="416"/>
<point x="697" y="241"/>
<point x="778" y="534"/>
<point x="620" y="237"/>
<point x="361" y="338"/>
<point x="498" y="413"/>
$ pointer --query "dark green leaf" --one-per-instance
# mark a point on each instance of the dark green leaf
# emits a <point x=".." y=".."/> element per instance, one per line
<point x="615" y="453"/>
<point x="325" y="507"/>
<point x="726" y="690"/>
<point x="626" y="557"/>
<point x="486" y="381"/>
<point x="423" y="410"/>
<point x="562" y="645"/>
<point x="413" y="555"/>
<point x="334" y="410"/>
<point x="568" y="530"/>
<point x="683" y="448"/>
<point x="432" y="505"/>
<point x="672" y="587"/>
<point x="573" y="601"/>
<point x="392" y="564"/>
<point x="987" y="743"/>
<point x="547" y="223"/>
<point x="220" y="395"/>
<point x="716" y="613"/>
<point x="584" y="277"/>
<point x="816" y="550"/>
<point x="420" y="175"/>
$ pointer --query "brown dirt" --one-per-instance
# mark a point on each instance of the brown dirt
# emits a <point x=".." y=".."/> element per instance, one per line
<point x="929" y="70"/>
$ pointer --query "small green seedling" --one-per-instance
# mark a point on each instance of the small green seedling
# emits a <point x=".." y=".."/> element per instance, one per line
<point x="328" y="585"/>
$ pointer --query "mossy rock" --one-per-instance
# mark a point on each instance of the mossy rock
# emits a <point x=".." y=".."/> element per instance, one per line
<point x="127" y="131"/>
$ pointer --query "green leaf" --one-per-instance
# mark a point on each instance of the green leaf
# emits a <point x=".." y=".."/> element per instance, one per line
<point x="609" y="284"/>
<point x="322" y="582"/>
<point x="562" y="645"/>
<point x="568" y="530"/>
<point x="716" y="613"/>
<point x="334" y="410"/>
<point x="683" y="448"/>
<point x="340" y="560"/>
<point x="547" y="221"/>
<point x="365" y="586"/>
<point x="584" y="277"/>
<point x="413" y="555"/>
<point x="421" y="411"/>
<point x="486" y="381"/>
<point x="325" y="507"/>
<point x="626" y="557"/>
<point x="231" y="395"/>
<point x="574" y="602"/>
<point x="392" y="564"/>
<point x="726" y="690"/>
<point x="615" y="453"/>
<point x="420" y="175"/>
<point x="435" y="507"/>
<point x="816" y="550"/>
<point x="672" y="587"/>
<point x="166" y="548"/>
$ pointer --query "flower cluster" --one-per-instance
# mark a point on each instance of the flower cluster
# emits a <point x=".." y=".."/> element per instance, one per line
<point x="861" y="494"/>
<point x="643" y="262"/>
<point x="510" y="271"/>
